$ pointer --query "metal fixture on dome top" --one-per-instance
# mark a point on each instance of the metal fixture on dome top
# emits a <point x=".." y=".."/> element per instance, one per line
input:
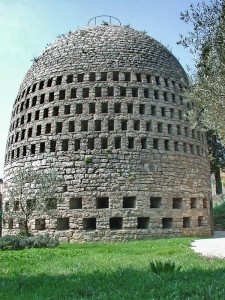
<point x="110" y="18"/>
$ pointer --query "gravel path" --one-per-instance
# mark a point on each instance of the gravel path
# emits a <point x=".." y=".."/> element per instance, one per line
<point x="214" y="246"/>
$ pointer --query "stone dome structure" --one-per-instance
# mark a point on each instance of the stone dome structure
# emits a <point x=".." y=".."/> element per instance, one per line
<point x="104" y="107"/>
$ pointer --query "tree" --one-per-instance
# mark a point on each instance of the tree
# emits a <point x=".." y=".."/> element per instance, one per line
<point x="217" y="158"/>
<point x="206" y="42"/>
<point x="31" y="194"/>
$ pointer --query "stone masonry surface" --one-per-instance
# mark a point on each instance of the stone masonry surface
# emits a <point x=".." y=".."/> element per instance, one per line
<point x="104" y="107"/>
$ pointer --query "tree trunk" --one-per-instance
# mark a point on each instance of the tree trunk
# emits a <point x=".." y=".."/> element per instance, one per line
<point x="26" y="227"/>
<point x="219" y="189"/>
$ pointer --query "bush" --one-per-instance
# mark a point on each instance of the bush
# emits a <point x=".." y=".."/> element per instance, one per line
<point x="219" y="216"/>
<point x="16" y="242"/>
<point x="159" y="267"/>
<point x="10" y="242"/>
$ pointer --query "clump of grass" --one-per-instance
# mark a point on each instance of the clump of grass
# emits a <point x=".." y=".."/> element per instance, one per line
<point x="159" y="267"/>
<point x="88" y="160"/>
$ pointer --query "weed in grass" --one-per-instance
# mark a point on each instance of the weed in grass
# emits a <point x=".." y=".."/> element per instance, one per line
<point x="159" y="267"/>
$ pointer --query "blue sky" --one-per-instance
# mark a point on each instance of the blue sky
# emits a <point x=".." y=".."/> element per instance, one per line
<point x="27" y="26"/>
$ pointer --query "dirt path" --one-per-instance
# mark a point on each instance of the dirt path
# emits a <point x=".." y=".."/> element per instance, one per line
<point x="214" y="246"/>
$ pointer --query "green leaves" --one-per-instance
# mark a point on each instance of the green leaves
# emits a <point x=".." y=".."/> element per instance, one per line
<point x="159" y="267"/>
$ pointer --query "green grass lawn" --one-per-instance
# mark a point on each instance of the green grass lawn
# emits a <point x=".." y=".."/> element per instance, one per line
<point x="110" y="271"/>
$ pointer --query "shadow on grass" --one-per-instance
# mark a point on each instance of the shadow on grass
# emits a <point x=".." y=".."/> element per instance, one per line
<point x="123" y="283"/>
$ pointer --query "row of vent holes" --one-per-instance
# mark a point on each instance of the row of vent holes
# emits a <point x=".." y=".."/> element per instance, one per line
<point x="128" y="202"/>
<point x="115" y="223"/>
<point x="104" y="145"/>
<point x="79" y="110"/>
<point x="136" y="126"/>
<point x="92" y="77"/>
<point x="98" y="93"/>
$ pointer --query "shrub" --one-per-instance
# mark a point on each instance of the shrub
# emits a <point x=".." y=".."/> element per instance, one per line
<point x="159" y="267"/>
<point x="13" y="242"/>
<point x="10" y="242"/>
<point x="219" y="216"/>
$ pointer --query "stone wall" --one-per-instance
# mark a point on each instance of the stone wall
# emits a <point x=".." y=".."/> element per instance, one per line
<point x="104" y="107"/>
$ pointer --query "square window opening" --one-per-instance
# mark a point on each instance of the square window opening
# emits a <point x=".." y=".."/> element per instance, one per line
<point x="98" y="92"/>
<point x="193" y="203"/>
<point x="92" y="76"/>
<point x="115" y="76"/>
<point x="116" y="223"/>
<point x="48" y="128"/>
<point x="89" y="223"/>
<point x="123" y="91"/>
<point x="40" y="224"/>
<point x="102" y="202"/>
<point x="77" y="144"/>
<point x="130" y="142"/>
<point x="104" y="107"/>
<point x="49" y="83"/>
<point x="91" y="143"/>
<point x="200" y="221"/>
<point x="156" y="94"/>
<point x="110" y="91"/>
<point x="138" y="77"/>
<point x="186" y="222"/>
<point x="167" y="222"/>
<point x="127" y="76"/>
<point x="136" y="125"/>
<point x="148" y="78"/>
<point x="117" y="108"/>
<point x="141" y="109"/>
<point x="84" y="125"/>
<point x="143" y="223"/>
<point x="110" y="125"/>
<point x="129" y="202"/>
<point x="123" y="124"/>
<point x="156" y="144"/>
<point x="143" y="143"/>
<point x="98" y="126"/>
<point x="62" y="223"/>
<point x="62" y="94"/>
<point x="73" y="93"/>
<point x="52" y="146"/>
<point x="146" y="93"/>
<point x="67" y="109"/>
<point x="65" y="145"/>
<point x="69" y="78"/>
<point x="59" y="80"/>
<point x="79" y="109"/>
<point x="155" y="202"/>
<point x="42" y="147"/>
<point x="129" y="108"/>
<point x="177" y="203"/>
<point x="134" y="92"/>
<point x="80" y="77"/>
<point x="55" y="111"/>
<point x="85" y="92"/>
<point x="148" y="126"/>
<point x="51" y="97"/>
<point x="104" y="143"/>
<point x="118" y="142"/>
<point x="91" y="108"/>
<point x="103" y="76"/>
<point x="76" y="203"/>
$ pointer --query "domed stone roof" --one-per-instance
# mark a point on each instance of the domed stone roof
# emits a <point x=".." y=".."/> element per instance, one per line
<point x="103" y="48"/>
